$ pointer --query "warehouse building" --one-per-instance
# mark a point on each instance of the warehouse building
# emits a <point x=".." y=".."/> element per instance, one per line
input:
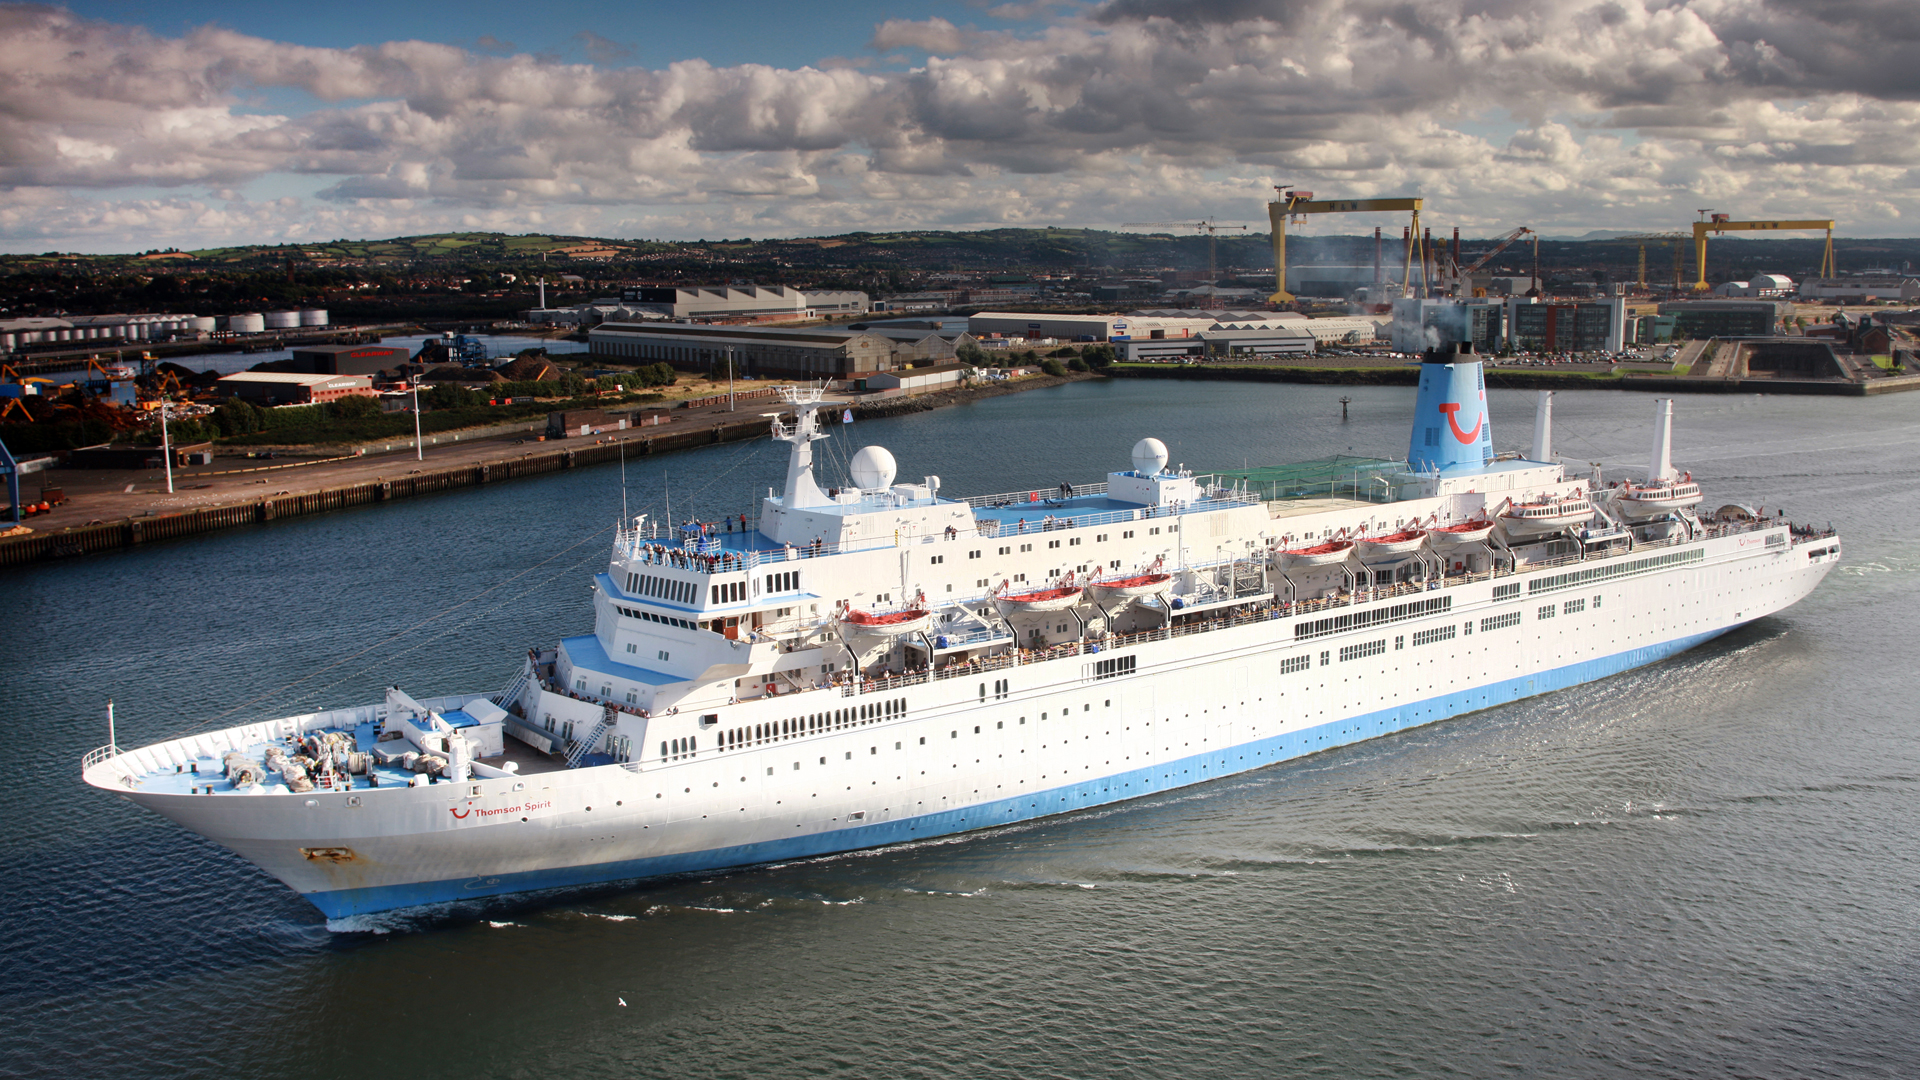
<point x="340" y="360"/>
<point x="763" y="352"/>
<point x="293" y="388"/>
<point x="742" y="302"/>
<point x="917" y="380"/>
<point x="1220" y="343"/>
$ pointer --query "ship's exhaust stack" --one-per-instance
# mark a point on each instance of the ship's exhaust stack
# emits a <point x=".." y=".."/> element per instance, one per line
<point x="1543" y="427"/>
<point x="1451" y="432"/>
<point x="1660" y="462"/>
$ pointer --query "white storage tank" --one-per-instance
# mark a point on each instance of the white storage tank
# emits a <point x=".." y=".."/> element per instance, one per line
<point x="203" y="323"/>
<point x="246" y="324"/>
<point x="283" y="320"/>
<point x="313" y="317"/>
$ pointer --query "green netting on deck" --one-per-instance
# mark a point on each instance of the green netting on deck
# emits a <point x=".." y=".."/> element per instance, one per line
<point x="1342" y="476"/>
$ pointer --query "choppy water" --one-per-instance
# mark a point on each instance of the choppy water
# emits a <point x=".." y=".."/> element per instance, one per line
<point x="1704" y="868"/>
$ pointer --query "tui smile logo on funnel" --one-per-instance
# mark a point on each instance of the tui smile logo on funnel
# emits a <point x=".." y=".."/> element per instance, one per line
<point x="1451" y="411"/>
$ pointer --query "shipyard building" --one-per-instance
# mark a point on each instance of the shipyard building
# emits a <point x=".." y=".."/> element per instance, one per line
<point x="797" y="353"/>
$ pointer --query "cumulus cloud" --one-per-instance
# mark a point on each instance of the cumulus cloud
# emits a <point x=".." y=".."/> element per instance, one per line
<point x="1583" y="114"/>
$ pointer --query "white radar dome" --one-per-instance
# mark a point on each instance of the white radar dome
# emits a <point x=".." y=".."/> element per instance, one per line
<point x="873" y="469"/>
<point x="1149" y="457"/>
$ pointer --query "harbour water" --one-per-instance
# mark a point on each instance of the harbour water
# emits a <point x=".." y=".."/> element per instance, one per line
<point x="1702" y="868"/>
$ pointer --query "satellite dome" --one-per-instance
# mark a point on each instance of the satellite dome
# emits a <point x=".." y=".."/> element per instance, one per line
<point x="872" y="469"/>
<point x="1149" y="457"/>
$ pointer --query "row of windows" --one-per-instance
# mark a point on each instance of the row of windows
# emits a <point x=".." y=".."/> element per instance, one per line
<point x="1438" y="633"/>
<point x="813" y="723"/>
<point x="1499" y="622"/>
<point x="1506" y="592"/>
<point x="1545" y="612"/>
<point x="1613" y="570"/>
<point x="641" y="613"/>
<point x="730" y="592"/>
<point x="1296" y="663"/>
<point x="1572" y="606"/>
<point x="1365" y="648"/>
<point x="1304" y="631"/>
<point x="1114" y="668"/>
<point x="680" y="592"/>
<point x="784" y="581"/>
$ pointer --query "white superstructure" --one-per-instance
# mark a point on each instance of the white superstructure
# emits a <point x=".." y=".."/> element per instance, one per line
<point x="877" y="662"/>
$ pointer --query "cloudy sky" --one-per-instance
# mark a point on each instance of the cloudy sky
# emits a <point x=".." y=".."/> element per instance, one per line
<point x="192" y="123"/>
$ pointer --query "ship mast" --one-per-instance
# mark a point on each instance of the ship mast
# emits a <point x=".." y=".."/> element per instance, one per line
<point x="801" y="491"/>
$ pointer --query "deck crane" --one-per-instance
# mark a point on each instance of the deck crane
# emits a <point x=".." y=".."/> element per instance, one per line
<point x="1293" y="203"/>
<point x="1718" y="223"/>
<point x="1212" y="230"/>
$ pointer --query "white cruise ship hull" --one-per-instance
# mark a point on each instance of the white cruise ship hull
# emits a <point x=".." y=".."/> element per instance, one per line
<point x="1011" y="744"/>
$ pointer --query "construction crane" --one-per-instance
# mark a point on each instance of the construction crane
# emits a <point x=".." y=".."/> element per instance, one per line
<point x="1719" y="223"/>
<point x="1212" y="230"/>
<point x="1465" y="274"/>
<point x="1293" y="203"/>
<point x="1677" y="240"/>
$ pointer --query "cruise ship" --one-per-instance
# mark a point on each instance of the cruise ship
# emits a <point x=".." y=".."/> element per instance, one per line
<point x="874" y="661"/>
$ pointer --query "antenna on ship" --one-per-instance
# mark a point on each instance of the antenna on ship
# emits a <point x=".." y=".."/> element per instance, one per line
<point x="623" y="480"/>
<point x="113" y="744"/>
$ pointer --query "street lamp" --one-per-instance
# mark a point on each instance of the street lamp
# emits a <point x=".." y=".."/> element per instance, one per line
<point x="413" y="384"/>
<point x="166" y="446"/>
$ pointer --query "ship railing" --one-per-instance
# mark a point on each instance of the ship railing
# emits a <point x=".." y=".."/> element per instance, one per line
<point x="1022" y="498"/>
<point x="100" y="754"/>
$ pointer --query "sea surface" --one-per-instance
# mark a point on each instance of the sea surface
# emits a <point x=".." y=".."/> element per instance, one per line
<point x="1704" y="868"/>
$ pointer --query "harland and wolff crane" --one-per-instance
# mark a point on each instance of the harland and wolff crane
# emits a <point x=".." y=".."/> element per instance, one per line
<point x="1292" y="203"/>
<point x="1212" y="230"/>
<point x="1721" y="223"/>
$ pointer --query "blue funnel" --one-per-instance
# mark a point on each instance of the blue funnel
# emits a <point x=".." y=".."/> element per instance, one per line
<point x="1451" y="432"/>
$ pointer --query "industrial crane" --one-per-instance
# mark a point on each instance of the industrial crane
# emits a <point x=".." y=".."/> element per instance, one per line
<point x="1293" y="203"/>
<point x="1212" y="230"/>
<point x="1717" y="223"/>
<point x="1460" y="274"/>
<point x="1676" y="239"/>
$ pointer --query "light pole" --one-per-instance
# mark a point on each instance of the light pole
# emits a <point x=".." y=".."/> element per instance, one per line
<point x="166" y="446"/>
<point x="414" y="385"/>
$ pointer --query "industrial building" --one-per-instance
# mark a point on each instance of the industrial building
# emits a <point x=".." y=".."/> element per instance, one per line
<point x="293" y="388"/>
<point x="1759" y="286"/>
<point x="917" y="380"/>
<point x="1723" y="318"/>
<point x="1220" y="343"/>
<point x="341" y="360"/>
<point x="1159" y="324"/>
<point x="1579" y="326"/>
<point x="797" y="352"/>
<point x="1859" y="290"/>
<point x="743" y="302"/>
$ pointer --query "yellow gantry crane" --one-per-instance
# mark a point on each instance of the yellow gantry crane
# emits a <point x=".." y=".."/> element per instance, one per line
<point x="1294" y="203"/>
<point x="1676" y="239"/>
<point x="1717" y="223"/>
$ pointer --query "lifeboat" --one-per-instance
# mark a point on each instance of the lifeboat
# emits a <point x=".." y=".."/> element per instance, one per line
<point x="1546" y="515"/>
<point x="1325" y="554"/>
<point x="1656" y="497"/>
<point x="1129" y="587"/>
<point x="1466" y="532"/>
<point x="1392" y="545"/>
<point x="1058" y="599"/>
<point x="887" y="623"/>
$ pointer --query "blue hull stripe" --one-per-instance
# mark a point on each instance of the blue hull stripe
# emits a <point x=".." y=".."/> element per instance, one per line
<point x="1115" y="787"/>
